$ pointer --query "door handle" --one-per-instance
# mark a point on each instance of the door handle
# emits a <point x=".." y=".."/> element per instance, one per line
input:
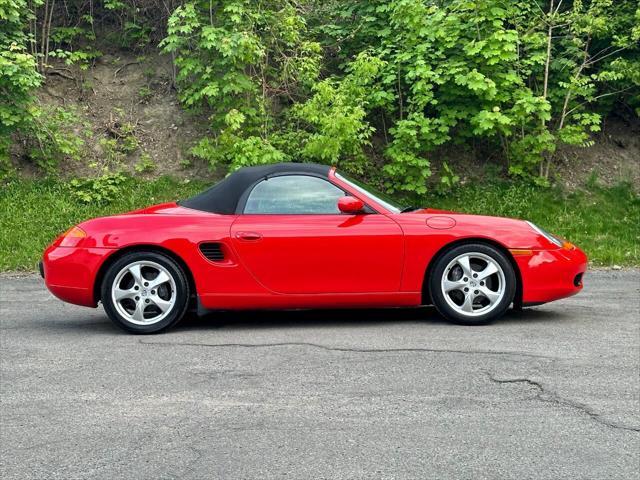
<point x="248" y="236"/>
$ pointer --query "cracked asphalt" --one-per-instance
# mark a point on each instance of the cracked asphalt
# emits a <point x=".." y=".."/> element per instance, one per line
<point x="552" y="392"/>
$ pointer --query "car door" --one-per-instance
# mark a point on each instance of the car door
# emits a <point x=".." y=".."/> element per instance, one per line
<point x="293" y="239"/>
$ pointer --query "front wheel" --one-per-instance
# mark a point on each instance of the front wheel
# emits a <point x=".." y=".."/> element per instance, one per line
<point x="472" y="284"/>
<point x="145" y="292"/>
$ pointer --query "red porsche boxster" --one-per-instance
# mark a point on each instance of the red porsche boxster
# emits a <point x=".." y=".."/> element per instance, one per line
<point x="296" y="235"/>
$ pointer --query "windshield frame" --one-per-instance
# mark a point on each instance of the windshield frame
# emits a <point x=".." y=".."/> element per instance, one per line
<point x="382" y="199"/>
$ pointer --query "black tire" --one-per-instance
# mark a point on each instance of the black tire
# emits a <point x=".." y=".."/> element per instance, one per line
<point x="438" y="296"/>
<point x="176" y="312"/>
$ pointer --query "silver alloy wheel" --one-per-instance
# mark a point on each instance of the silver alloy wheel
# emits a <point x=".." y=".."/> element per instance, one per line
<point x="143" y="292"/>
<point x="473" y="284"/>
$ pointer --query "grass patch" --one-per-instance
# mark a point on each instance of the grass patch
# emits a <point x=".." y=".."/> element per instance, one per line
<point x="605" y="222"/>
<point x="34" y="212"/>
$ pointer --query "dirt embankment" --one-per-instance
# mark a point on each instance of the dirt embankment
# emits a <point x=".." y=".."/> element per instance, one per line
<point x="614" y="158"/>
<point x="127" y="114"/>
<point x="127" y="100"/>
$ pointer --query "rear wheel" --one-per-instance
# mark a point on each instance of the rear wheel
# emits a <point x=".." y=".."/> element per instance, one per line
<point x="145" y="292"/>
<point x="472" y="284"/>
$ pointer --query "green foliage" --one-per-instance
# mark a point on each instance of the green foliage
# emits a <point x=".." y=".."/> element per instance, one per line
<point x="448" y="179"/>
<point x="145" y="164"/>
<point x="514" y="76"/>
<point x="46" y="133"/>
<point x="120" y="142"/>
<point x="72" y="44"/>
<point x="99" y="190"/>
<point x="234" y="54"/>
<point x="136" y="34"/>
<point x="127" y="140"/>
<point x="116" y="149"/>
<point x="455" y="69"/>
<point x="379" y="87"/>
<point x="230" y="149"/>
<point x="51" y="138"/>
<point x="145" y="94"/>
<point x="241" y="62"/>
<point x="337" y="113"/>
<point x="82" y="58"/>
<point x="18" y="75"/>
<point x="475" y="71"/>
<point x="114" y="5"/>
<point x="138" y="20"/>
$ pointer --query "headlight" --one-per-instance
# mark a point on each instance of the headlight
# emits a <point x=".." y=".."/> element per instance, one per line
<point x="552" y="238"/>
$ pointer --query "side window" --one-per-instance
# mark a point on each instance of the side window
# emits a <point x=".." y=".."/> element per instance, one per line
<point x="294" y="194"/>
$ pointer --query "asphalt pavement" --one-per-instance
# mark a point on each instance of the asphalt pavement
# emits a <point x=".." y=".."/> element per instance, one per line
<point x="552" y="392"/>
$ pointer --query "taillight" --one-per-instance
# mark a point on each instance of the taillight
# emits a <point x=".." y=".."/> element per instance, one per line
<point x="72" y="237"/>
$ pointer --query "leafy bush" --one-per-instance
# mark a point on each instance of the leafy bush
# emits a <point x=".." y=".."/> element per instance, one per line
<point x="100" y="190"/>
<point x="337" y="113"/>
<point x="242" y="63"/>
<point x="376" y="86"/>
<point x="504" y="73"/>
<point x="18" y="75"/>
<point x="50" y="138"/>
<point x="145" y="164"/>
<point x="230" y="149"/>
<point x="514" y="76"/>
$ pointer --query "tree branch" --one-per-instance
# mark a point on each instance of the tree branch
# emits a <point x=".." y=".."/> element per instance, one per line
<point x="608" y="94"/>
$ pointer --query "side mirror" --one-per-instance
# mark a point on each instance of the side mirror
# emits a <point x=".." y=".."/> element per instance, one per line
<point x="351" y="205"/>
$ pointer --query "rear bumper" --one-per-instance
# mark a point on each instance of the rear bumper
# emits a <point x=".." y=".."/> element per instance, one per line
<point x="70" y="273"/>
<point x="549" y="275"/>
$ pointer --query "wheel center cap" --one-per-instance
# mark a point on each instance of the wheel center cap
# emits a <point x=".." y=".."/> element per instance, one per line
<point x="144" y="292"/>
<point x="473" y="283"/>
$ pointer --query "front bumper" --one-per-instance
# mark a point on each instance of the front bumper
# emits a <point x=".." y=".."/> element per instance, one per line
<point x="549" y="275"/>
<point x="70" y="273"/>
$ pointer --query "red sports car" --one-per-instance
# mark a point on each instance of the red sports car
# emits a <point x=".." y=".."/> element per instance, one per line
<point x="297" y="235"/>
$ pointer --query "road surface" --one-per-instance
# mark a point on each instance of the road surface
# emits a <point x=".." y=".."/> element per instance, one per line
<point x="552" y="392"/>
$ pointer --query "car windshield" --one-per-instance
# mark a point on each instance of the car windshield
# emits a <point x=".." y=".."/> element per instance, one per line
<point x="381" y="198"/>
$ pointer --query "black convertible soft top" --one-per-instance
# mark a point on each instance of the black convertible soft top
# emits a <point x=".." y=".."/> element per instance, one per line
<point x="224" y="196"/>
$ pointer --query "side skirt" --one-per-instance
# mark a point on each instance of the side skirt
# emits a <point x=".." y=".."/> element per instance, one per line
<point x="213" y="302"/>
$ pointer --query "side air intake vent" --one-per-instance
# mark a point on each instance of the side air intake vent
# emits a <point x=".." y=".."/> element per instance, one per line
<point x="213" y="251"/>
